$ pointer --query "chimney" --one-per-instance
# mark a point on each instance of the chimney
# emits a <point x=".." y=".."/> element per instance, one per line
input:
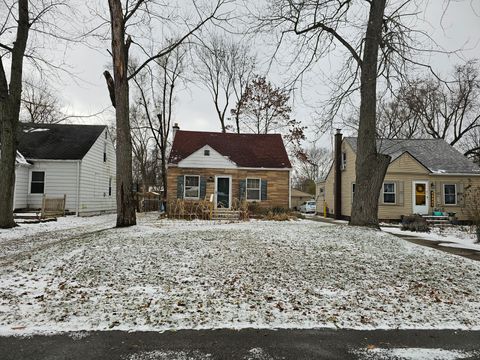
<point x="337" y="203"/>
<point x="175" y="128"/>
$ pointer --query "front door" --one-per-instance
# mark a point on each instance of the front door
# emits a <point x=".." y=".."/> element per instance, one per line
<point x="223" y="191"/>
<point x="420" y="197"/>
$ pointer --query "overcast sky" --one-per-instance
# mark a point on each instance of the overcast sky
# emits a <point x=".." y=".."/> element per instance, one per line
<point x="460" y="27"/>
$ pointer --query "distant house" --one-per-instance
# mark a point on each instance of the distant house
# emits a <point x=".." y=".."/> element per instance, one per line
<point x="229" y="166"/>
<point x="73" y="160"/>
<point x="299" y="197"/>
<point x="424" y="175"/>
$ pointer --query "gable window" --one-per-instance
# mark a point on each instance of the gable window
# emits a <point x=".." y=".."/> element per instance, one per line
<point x="389" y="193"/>
<point x="450" y="194"/>
<point x="37" y="185"/>
<point x="192" y="187"/>
<point x="206" y="152"/>
<point x="343" y="163"/>
<point x="253" y="189"/>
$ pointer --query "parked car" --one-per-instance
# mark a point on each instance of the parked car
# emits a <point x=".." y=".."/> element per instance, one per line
<point x="308" y="207"/>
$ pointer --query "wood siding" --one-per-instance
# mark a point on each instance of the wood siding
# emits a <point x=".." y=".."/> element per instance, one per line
<point x="60" y="179"/>
<point x="213" y="161"/>
<point x="277" y="180"/>
<point x="94" y="178"/>
<point x="21" y="187"/>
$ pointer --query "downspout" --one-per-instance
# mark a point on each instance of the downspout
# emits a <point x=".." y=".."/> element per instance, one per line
<point x="78" y="188"/>
<point x="338" y="175"/>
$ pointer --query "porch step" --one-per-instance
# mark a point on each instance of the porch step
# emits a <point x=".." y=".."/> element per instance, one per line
<point x="436" y="220"/>
<point x="225" y="214"/>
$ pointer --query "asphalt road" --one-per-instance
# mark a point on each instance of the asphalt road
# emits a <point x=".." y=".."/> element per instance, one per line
<point x="248" y="344"/>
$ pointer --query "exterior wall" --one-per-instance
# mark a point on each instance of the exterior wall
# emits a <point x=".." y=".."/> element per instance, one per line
<point x="60" y="179"/>
<point x="94" y="178"/>
<point x="403" y="172"/>
<point x="213" y="161"/>
<point x="299" y="200"/>
<point x="21" y="187"/>
<point x="278" y="183"/>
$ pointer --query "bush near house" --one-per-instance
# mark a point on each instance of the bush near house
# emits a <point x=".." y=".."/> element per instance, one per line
<point x="472" y="207"/>
<point x="415" y="223"/>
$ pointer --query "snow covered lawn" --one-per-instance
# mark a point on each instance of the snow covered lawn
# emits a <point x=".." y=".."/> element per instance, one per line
<point x="165" y="274"/>
<point x="462" y="237"/>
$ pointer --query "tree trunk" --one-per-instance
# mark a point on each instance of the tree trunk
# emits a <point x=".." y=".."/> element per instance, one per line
<point x="125" y="202"/>
<point x="9" y="116"/>
<point x="370" y="165"/>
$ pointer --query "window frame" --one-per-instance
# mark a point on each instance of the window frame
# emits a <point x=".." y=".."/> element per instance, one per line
<point x="37" y="182"/>
<point x="454" y="194"/>
<point x="110" y="186"/>
<point x="389" y="193"/>
<point x="185" y="188"/>
<point x="259" y="189"/>
<point x="104" y="151"/>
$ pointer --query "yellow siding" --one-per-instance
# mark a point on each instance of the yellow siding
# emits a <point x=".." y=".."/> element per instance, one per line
<point x="402" y="171"/>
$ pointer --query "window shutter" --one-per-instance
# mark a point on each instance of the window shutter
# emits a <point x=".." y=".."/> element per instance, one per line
<point x="242" y="190"/>
<point x="460" y="193"/>
<point x="400" y="193"/>
<point x="438" y="193"/>
<point x="180" y="182"/>
<point x="442" y="193"/>
<point x="264" y="190"/>
<point x="203" y="187"/>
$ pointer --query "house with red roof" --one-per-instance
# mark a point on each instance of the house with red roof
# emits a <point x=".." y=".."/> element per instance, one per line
<point x="226" y="167"/>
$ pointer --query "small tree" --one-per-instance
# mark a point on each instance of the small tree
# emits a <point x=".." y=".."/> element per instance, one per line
<point x="472" y="207"/>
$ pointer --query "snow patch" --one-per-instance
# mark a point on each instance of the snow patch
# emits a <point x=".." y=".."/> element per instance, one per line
<point x="169" y="355"/>
<point x="413" y="354"/>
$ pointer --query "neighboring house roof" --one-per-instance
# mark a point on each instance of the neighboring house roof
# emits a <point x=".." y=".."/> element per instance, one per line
<point x="298" y="193"/>
<point x="245" y="150"/>
<point x="57" y="141"/>
<point x="435" y="154"/>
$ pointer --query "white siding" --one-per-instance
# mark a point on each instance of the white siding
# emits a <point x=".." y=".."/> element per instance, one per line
<point x="94" y="178"/>
<point x="21" y="187"/>
<point x="214" y="161"/>
<point x="60" y="179"/>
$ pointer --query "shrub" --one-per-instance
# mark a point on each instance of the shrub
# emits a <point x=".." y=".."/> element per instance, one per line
<point x="415" y="223"/>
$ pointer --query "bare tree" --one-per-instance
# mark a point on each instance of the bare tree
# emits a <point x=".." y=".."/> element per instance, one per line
<point x="376" y="43"/>
<point x="10" y="98"/>
<point x="39" y="104"/>
<point x="121" y="16"/>
<point x="157" y="90"/>
<point x="225" y="68"/>
<point x="311" y="165"/>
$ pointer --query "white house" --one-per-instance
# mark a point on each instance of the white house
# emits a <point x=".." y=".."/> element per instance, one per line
<point x="73" y="160"/>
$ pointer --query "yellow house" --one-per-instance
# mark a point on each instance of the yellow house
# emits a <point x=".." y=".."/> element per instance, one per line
<point x="424" y="175"/>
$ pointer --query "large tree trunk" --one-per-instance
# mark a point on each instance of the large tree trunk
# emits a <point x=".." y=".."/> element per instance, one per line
<point x="370" y="165"/>
<point x="125" y="202"/>
<point x="9" y="116"/>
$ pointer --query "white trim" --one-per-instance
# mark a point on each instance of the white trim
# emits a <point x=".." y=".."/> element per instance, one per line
<point x="30" y="181"/>
<point x="427" y="197"/>
<point x="229" y="177"/>
<point x="259" y="188"/>
<point x="454" y="174"/>
<point x="394" y="192"/>
<point x="79" y="164"/>
<point x="185" y="184"/>
<point x="54" y="160"/>
<point x="455" y="193"/>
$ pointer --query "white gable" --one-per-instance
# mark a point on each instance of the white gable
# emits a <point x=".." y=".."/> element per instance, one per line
<point x="200" y="159"/>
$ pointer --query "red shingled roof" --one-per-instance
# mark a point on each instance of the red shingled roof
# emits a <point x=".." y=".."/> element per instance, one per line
<point x="246" y="150"/>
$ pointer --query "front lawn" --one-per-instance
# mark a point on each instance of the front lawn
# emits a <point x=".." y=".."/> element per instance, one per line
<point x="166" y="274"/>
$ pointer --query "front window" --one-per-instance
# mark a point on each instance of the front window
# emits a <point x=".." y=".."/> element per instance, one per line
<point x="450" y="194"/>
<point x="253" y="189"/>
<point x="192" y="187"/>
<point x="37" y="185"/>
<point x="389" y="193"/>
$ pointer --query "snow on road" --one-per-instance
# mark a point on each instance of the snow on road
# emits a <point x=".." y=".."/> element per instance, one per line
<point x="414" y="354"/>
<point x="164" y="274"/>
